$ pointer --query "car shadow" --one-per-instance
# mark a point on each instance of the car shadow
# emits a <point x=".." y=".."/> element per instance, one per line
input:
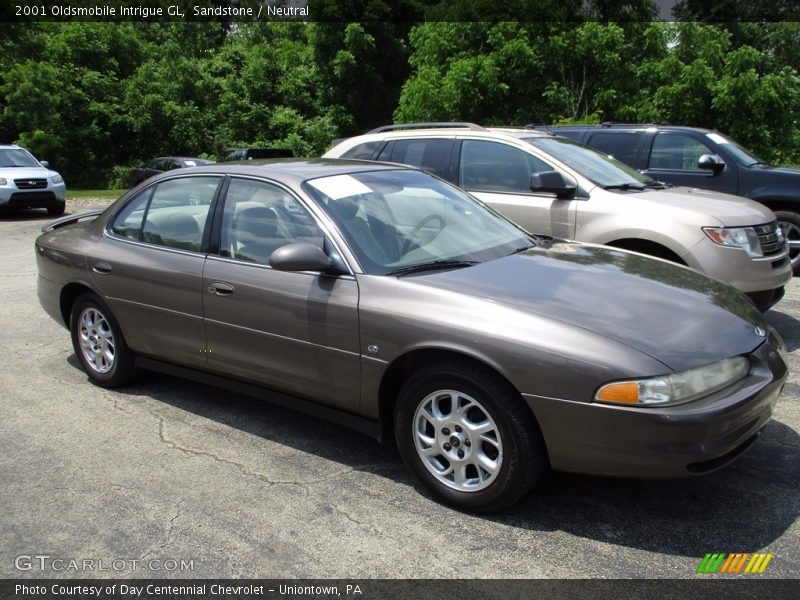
<point x="745" y="506"/>
<point x="27" y="214"/>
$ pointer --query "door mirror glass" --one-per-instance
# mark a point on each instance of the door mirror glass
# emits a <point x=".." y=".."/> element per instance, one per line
<point x="300" y="256"/>
<point x="711" y="162"/>
<point x="552" y="182"/>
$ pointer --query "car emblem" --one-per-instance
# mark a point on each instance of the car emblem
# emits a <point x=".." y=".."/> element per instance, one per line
<point x="760" y="332"/>
<point x="31" y="183"/>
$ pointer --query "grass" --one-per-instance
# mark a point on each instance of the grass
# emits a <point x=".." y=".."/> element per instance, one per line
<point x="93" y="194"/>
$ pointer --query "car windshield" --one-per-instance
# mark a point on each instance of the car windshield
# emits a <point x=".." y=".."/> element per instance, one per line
<point x="17" y="157"/>
<point x="403" y="221"/>
<point x="594" y="165"/>
<point x="742" y="156"/>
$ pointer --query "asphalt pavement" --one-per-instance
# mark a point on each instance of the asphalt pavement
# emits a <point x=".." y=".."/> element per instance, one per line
<point x="170" y="478"/>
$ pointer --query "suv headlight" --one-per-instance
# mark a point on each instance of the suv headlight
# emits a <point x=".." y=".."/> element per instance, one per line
<point x="3" y="181"/>
<point x="736" y="237"/>
<point x="675" y="388"/>
<point x="57" y="178"/>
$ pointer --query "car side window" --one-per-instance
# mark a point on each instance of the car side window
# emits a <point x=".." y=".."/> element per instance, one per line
<point x="677" y="152"/>
<point x="128" y="222"/>
<point x="620" y="145"/>
<point x="432" y="155"/>
<point x="178" y="212"/>
<point x="259" y="218"/>
<point x="495" y="167"/>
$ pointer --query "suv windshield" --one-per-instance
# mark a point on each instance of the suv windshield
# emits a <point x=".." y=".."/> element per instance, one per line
<point x="399" y="221"/>
<point x="17" y="157"/>
<point x="594" y="165"/>
<point x="742" y="156"/>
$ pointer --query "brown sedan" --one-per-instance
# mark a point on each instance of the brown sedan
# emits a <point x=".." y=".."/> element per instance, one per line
<point x="385" y="299"/>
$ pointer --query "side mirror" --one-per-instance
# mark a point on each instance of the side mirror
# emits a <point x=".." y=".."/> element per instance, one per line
<point x="711" y="162"/>
<point x="553" y="182"/>
<point x="45" y="164"/>
<point x="300" y="256"/>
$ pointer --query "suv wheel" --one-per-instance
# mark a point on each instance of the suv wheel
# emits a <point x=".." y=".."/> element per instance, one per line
<point x="790" y="225"/>
<point x="467" y="436"/>
<point x="56" y="209"/>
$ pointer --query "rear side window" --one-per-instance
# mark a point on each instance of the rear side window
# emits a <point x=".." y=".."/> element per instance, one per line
<point x="128" y="222"/>
<point x="162" y="218"/>
<point x="620" y="145"/>
<point x="677" y="152"/>
<point x="363" y="151"/>
<point x="432" y="155"/>
<point x="496" y="167"/>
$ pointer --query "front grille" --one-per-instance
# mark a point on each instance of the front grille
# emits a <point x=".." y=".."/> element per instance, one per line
<point x="31" y="184"/>
<point x="771" y="243"/>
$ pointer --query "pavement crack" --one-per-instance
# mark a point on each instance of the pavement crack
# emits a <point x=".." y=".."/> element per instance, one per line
<point x="168" y="535"/>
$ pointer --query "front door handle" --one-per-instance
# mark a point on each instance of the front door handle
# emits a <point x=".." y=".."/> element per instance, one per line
<point x="220" y="289"/>
<point x="101" y="267"/>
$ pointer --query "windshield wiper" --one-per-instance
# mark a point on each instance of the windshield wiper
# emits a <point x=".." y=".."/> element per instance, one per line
<point x="624" y="187"/>
<point x="758" y="163"/>
<point x="433" y="265"/>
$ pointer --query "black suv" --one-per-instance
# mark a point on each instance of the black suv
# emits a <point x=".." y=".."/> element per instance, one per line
<point x="703" y="159"/>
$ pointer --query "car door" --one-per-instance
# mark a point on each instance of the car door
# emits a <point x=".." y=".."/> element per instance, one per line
<point x="500" y="174"/>
<point x="295" y="332"/>
<point x="673" y="159"/>
<point x="149" y="267"/>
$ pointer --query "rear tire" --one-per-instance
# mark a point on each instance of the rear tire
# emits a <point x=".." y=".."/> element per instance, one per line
<point x="98" y="343"/>
<point x="790" y="224"/>
<point x="467" y="436"/>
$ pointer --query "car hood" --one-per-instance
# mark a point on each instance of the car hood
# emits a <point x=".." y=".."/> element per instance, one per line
<point x="671" y="313"/>
<point x="26" y="173"/>
<point x="727" y="209"/>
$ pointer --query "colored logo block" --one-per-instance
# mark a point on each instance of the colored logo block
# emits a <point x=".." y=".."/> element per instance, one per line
<point x="735" y="563"/>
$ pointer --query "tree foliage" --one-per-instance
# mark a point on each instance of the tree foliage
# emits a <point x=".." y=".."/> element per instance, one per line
<point x="95" y="97"/>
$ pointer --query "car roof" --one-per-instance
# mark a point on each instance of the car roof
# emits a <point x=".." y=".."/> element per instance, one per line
<point x="292" y="170"/>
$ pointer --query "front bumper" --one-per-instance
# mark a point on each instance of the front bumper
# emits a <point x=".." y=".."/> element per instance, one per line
<point x="692" y="438"/>
<point x="12" y="197"/>
<point x="733" y="266"/>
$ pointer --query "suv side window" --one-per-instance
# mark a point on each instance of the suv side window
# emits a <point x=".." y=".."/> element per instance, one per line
<point x="363" y="151"/>
<point x="432" y="155"/>
<point x="496" y="167"/>
<point x="178" y="211"/>
<point x="621" y="145"/>
<point x="677" y="152"/>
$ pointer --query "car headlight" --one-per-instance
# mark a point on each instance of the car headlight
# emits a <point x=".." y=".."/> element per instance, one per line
<point x="3" y="181"/>
<point x="736" y="237"/>
<point x="675" y="388"/>
<point x="57" y="178"/>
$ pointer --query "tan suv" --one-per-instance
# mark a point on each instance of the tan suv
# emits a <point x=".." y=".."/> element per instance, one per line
<point x="555" y="186"/>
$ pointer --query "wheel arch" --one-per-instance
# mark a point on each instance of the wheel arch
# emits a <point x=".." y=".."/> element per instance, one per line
<point x="405" y="364"/>
<point x="649" y="247"/>
<point x="70" y="293"/>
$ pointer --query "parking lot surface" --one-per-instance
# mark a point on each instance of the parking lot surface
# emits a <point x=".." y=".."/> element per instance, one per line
<point x="168" y="471"/>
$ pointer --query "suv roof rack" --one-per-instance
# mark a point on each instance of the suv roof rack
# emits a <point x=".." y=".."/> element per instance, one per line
<point x="433" y="125"/>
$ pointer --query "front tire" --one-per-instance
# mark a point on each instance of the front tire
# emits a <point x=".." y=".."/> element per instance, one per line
<point x="98" y="343"/>
<point x="467" y="436"/>
<point x="789" y="223"/>
<point x="57" y="209"/>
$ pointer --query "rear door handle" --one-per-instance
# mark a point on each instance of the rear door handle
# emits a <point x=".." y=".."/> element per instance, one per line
<point x="101" y="267"/>
<point x="220" y="289"/>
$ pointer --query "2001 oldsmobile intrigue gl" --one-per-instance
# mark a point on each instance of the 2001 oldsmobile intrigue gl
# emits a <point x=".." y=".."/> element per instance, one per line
<point x="388" y="300"/>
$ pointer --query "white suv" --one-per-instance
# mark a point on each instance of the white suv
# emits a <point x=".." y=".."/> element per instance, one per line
<point x="27" y="183"/>
<point x="555" y="186"/>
